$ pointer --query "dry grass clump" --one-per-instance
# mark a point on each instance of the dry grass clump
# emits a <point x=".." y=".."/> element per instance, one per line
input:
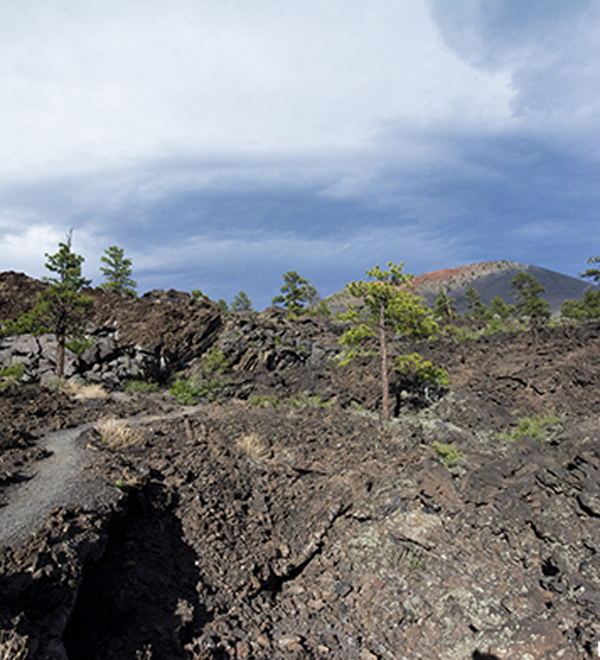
<point x="254" y="447"/>
<point x="145" y="653"/>
<point x="118" y="434"/>
<point x="81" y="391"/>
<point x="12" y="645"/>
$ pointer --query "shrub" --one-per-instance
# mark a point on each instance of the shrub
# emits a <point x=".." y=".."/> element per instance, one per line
<point x="10" y="376"/>
<point x="448" y="453"/>
<point x="55" y="384"/>
<point x="188" y="392"/>
<point x="466" y="334"/>
<point x="502" y="325"/>
<point x="139" y="385"/>
<point x="79" y="345"/>
<point x="303" y="400"/>
<point x="538" y="427"/>
<point x="418" y="377"/>
<point x="415" y="367"/>
<point x="214" y="362"/>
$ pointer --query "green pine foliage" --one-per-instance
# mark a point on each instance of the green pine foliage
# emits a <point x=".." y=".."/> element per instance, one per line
<point x="61" y="308"/>
<point x="388" y="304"/>
<point x="498" y="308"/>
<point x="444" y="307"/>
<point x="117" y="272"/>
<point x="475" y="304"/>
<point x="592" y="273"/>
<point x="188" y="391"/>
<point x="241" y="303"/>
<point x="527" y="291"/>
<point x="582" y="310"/>
<point x="538" y="427"/>
<point x="296" y="293"/>
<point x="353" y="339"/>
<point x="79" y="344"/>
<point x="198" y="297"/>
<point x="589" y="307"/>
<point x="419" y="377"/>
<point x="10" y="376"/>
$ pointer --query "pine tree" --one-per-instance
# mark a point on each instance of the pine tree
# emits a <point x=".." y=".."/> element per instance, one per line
<point x="388" y="304"/>
<point x="61" y="309"/>
<point x="117" y="272"/>
<point x="241" y="303"/>
<point x="475" y="304"/>
<point x="528" y="292"/>
<point x="444" y="307"/>
<point x="297" y="293"/>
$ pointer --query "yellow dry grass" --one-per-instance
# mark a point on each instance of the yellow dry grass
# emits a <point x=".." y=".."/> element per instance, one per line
<point x="79" y="391"/>
<point x="118" y="434"/>
<point x="12" y="645"/>
<point x="254" y="447"/>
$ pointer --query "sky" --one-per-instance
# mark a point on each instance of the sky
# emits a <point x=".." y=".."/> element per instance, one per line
<point x="222" y="143"/>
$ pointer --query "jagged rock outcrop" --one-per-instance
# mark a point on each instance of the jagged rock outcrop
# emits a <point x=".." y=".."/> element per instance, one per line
<point x="294" y="524"/>
<point x="150" y="337"/>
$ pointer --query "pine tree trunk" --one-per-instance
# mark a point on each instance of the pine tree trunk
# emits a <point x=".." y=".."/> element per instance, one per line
<point x="385" y="387"/>
<point x="60" y="356"/>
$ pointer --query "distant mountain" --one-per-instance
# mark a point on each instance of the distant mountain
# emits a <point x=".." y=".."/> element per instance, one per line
<point x="490" y="279"/>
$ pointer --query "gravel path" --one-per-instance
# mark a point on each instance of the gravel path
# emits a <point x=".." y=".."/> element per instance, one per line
<point x="58" y="480"/>
<point x="61" y="480"/>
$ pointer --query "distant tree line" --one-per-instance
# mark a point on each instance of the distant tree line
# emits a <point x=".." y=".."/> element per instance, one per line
<point x="528" y="298"/>
<point x="525" y="288"/>
<point x="387" y="303"/>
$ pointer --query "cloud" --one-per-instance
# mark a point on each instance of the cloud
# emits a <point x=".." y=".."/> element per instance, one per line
<point x="223" y="265"/>
<point x="549" y="48"/>
<point x="222" y="144"/>
<point x="106" y="84"/>
<point x="238" y="224"/>
<point x="23" y="251"/>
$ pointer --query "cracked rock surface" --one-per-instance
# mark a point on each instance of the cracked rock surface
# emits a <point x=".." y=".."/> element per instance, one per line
<point x="284" y="528"/>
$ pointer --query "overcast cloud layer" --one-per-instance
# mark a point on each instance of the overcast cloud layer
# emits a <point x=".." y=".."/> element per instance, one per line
<point x="223" y="143"/>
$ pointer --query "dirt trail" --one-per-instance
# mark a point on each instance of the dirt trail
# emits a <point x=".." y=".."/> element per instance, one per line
<point x="61" y="479"/>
